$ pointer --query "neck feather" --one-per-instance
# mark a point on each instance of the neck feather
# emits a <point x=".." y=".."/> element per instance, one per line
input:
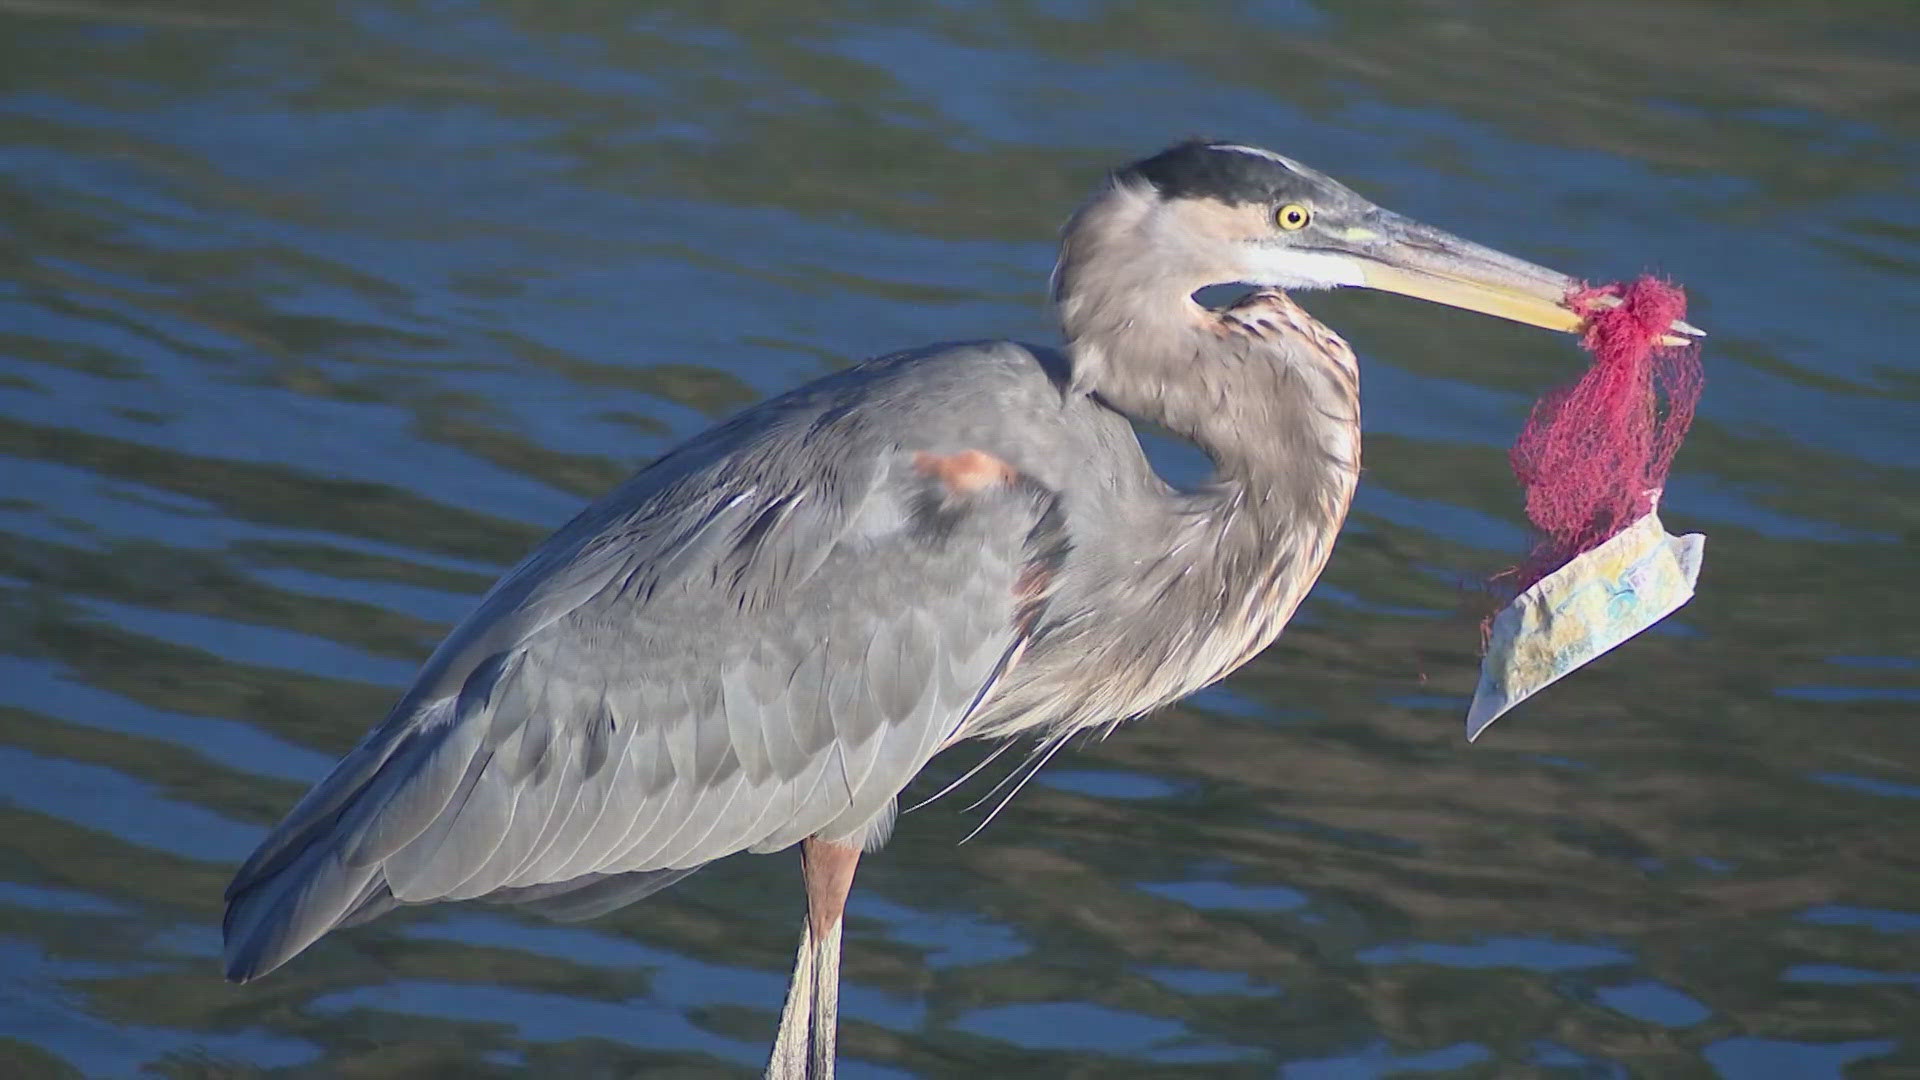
<point x="1267" y="392"/>
<point x="1272" y="397"/>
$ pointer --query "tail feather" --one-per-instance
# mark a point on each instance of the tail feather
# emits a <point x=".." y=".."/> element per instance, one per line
<point x="590" y="895"/>
<point x="274" y="918"/>
<point x="308" y="876"/>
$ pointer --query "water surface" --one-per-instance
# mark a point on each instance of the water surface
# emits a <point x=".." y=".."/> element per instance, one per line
<point x="315" y="316"/>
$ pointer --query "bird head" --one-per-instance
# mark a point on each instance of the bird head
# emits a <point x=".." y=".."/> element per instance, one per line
<point x="1211" y="213"/>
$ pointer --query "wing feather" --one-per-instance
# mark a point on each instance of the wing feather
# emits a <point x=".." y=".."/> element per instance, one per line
<point x="682" y="673"/>
<point x="607" y="794"/>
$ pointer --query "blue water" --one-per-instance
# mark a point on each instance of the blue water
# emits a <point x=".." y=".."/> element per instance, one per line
<point x="313" y="318"/>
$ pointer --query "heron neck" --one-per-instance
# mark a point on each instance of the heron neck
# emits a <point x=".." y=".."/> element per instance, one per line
<point x="1272" y="398"/>
<point x="1268" y="393"/>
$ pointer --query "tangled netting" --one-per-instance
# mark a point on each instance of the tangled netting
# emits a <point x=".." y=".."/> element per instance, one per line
<point x="1594" y="456"/>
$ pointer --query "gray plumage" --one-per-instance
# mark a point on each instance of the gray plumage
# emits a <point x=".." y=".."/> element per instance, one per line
<point x="764" y="635"/>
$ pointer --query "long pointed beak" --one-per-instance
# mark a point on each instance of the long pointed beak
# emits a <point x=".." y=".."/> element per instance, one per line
<point x="1400" y="255"/>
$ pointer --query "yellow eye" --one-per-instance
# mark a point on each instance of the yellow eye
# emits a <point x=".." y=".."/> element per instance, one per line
<point x="1292" y="216"/>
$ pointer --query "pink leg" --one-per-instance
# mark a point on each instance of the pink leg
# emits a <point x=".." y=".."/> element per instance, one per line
<point x="809" y="1023"/>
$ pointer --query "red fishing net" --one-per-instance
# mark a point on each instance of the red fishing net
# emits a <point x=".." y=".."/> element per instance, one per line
<point x="1594" y="455"/>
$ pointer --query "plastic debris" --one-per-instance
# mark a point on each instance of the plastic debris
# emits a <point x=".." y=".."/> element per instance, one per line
<point x="1593" y="459"/>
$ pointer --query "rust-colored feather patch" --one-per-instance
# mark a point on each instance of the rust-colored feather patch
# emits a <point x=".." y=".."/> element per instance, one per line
<point x="967" y="472"/>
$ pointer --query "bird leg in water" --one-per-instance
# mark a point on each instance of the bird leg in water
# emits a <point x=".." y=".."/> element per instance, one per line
<point x="809" y="1023"/>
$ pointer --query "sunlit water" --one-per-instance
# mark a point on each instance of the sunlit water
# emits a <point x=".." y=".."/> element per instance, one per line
<point x="314" y="316"/>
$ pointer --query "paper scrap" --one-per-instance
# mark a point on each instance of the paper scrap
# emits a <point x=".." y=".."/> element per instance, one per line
<point x="1597" y="600"/>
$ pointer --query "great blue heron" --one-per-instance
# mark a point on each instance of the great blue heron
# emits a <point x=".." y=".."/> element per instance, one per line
<point x="759" y="639"/>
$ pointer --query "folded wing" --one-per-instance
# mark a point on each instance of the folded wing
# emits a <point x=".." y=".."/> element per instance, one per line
<point x="694" y="667"/>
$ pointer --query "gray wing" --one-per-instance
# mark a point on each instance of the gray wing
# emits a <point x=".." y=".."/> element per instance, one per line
<point x="733" y="652"/>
